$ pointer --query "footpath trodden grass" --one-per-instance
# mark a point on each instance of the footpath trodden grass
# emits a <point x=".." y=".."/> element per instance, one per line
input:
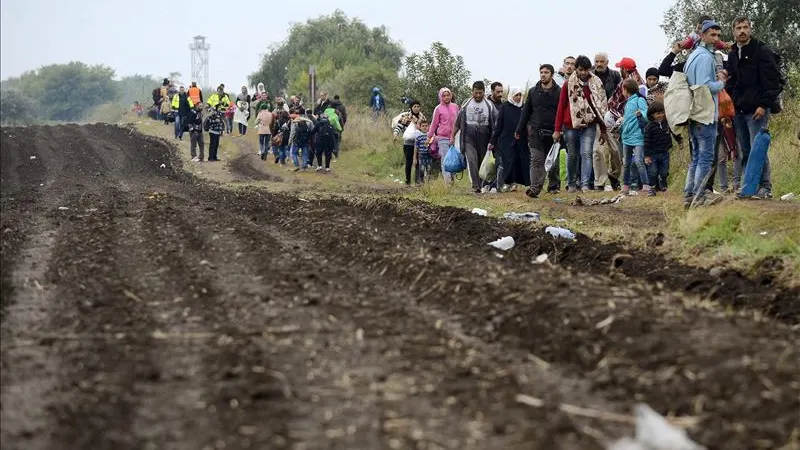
<point x="740" y="234"/>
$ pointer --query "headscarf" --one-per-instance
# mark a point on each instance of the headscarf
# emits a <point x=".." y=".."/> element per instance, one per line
<point x="260" y="88"/>
<point x="512" y="91"/>
<point x="441" y="93"/>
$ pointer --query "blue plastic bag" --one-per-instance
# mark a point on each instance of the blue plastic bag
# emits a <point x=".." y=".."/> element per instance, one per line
<point x="453" y="162"/>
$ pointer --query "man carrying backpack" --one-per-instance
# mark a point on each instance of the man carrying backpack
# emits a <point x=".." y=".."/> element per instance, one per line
<point x="299" y="137"/>
<point x="754" y="83"/>
<point x="324" y="138"/>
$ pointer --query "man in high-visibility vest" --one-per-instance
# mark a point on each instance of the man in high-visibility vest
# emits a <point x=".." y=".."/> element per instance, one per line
<point x="195" y="93"/>
<point x="181" y="104"/>
<point x="219" y="100"/>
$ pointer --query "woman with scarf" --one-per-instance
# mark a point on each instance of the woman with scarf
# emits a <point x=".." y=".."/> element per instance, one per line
<point x="410" y="118"/>
<point x="581" y="108"/>
<point x="444" y="118"/>
<point x="505" y="147"/>
<point x="261" y="98"/>
<point x="242" y="113"/>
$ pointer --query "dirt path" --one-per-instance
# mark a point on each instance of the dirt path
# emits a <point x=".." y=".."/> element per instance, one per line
<point x="159" y="311"/>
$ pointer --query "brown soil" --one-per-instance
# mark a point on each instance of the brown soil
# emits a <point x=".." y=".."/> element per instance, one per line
<point x="158" y="311"/>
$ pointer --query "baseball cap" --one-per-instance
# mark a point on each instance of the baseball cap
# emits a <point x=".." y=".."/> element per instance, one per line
<point x="709" y="24"/>
<point x="627" y="64"/>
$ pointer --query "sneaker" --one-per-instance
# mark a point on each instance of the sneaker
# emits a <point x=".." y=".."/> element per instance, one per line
<point x="531" y="194"/>
<point x="319" y="169"/>
<point x="633" y="193"/>
<point x="585" y="189"/>
<point x="554" y="191"/>
<point x="608" y="188"/>
<point x="493" y="191"/>
<point x="482" y="190"/>
<point x="651" y="192"/>
<point x="510" y="188"/>
<point x="195" y="159"/>
<point x="572" y="190"/>
<point x="763" y="194"/>
<point x="327" y="170"/>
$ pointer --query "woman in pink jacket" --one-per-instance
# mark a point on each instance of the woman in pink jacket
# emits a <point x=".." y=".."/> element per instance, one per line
<point x="444" y="117"/>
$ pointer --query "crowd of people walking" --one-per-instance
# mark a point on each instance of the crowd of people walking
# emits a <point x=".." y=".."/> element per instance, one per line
<point x="618" y="127"/>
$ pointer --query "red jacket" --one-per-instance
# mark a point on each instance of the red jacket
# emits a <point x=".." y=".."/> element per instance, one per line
<point x="564" y="114"/>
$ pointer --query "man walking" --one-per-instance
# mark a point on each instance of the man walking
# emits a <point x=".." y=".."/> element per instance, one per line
<point x="538" y="121"/>
<point x="195" y="93"/>
<point x="700" y="71"/>
<point x="476" y="122"/>
<point x="754" y="85"/>
<point x="606" y="154"/>
<point x="181" y="104"/>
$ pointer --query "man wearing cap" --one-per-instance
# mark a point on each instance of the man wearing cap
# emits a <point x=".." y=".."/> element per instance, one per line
<point x="754" y="85"/>
<point x="700" y="71"/>
<point x="606" y="161"/>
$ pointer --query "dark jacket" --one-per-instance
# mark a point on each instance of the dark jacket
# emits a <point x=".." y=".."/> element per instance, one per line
<point x="539" y="110"/>
<point x="611" y="79"/>
<point x="657" y="138"/>
<point x="754" y="78"/>
<point x="194" y="121"/>
<point x="666" y="69"/>
<point x="183" y="105"/>
<point x="508" y="148"/>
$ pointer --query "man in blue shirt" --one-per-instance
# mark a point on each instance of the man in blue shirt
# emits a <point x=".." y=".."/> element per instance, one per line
<point x="700" y="71"/>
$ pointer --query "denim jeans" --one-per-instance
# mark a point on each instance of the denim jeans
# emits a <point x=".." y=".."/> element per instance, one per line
<point x="296" y="151"/>
<point x="633" y="155"/>
<point x="444" y="146"/>
<point x="580" y="156"/>
<point x="178" y="127"/>
<point x="263" y="143"/>
<point x="242" y="129"/>
<point x="703" y="139"/>
<point x="746" y="130"/>
<point x="658" y="171"/>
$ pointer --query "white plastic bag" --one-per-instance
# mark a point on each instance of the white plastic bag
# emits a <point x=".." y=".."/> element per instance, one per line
<point x="552" y="155"/>
<point x="410" y="133"/>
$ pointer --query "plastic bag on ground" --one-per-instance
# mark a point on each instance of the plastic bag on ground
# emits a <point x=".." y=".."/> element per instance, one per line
<point x="480" y="212"/>
<point x="488" y="169"/>
<point x="504" y="243"/>
<point x="552" y="155"/>
<point x="526" y="216"/>
<point x="560" y="232"/>
<point x="653" y="432"/>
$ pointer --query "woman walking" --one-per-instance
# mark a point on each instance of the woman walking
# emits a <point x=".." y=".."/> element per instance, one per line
<point x="242" y="113"/>
<point x="505" y="147"/>
<point x="442" y="122"/>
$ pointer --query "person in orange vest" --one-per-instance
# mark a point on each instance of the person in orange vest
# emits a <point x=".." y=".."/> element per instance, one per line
<point x="195" y="93"/>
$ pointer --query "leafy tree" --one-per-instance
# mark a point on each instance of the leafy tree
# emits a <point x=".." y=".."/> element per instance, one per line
<point x="330" y="43"/>
<point x="137" y="88"/>
<point x="354" y="84"/>
<point x="67" y="91"/>
<point x="16" y="108"/>
<point x="776" y="22"/>
<point x="434" y="69"/>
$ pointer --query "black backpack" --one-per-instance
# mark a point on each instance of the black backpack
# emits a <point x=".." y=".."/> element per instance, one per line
<point x="324" y="129"/>
<point x="301" y="133"/>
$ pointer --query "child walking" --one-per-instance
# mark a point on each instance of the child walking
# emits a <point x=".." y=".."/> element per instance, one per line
<point x="422" y="152"/>
<point x="634" y="121"/>
<point x="657" y="143"/>
<point x="264" y="126"/>
<point x="195" y="125"/>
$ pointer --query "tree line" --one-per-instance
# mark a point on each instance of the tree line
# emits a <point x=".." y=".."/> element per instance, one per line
<point x="350" y="59"/>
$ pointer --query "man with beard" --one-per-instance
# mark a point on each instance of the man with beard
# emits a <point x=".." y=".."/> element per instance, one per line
<point x="497" y="94"/>
<point x="606" y="155"/>
<point x="754" y="85"/>
<point x="581" y="107"/>
<point x="476" y="121"/>
<point x="538" y="121"/>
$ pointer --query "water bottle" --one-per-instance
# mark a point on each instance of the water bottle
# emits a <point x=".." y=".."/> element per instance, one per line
<point x="560" y="232"/>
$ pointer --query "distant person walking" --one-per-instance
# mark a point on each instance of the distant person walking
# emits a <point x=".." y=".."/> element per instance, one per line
<point x="181" y="105"/>
<point x="242" y="114"/>
<point x="441" y="129"/>
<point x="538" y="120"/>
<point x="377" y="103"/>
<point x="195" y="93"/>
<point x="476" y="121"/>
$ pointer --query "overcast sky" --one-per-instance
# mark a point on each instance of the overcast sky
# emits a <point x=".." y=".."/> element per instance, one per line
<point x="506" y="42"/>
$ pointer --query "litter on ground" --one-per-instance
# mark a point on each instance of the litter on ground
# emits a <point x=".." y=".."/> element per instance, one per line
<point x="480" y="212"/>
<point x="504" y="243"/>
<point x="525" y="217"/>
